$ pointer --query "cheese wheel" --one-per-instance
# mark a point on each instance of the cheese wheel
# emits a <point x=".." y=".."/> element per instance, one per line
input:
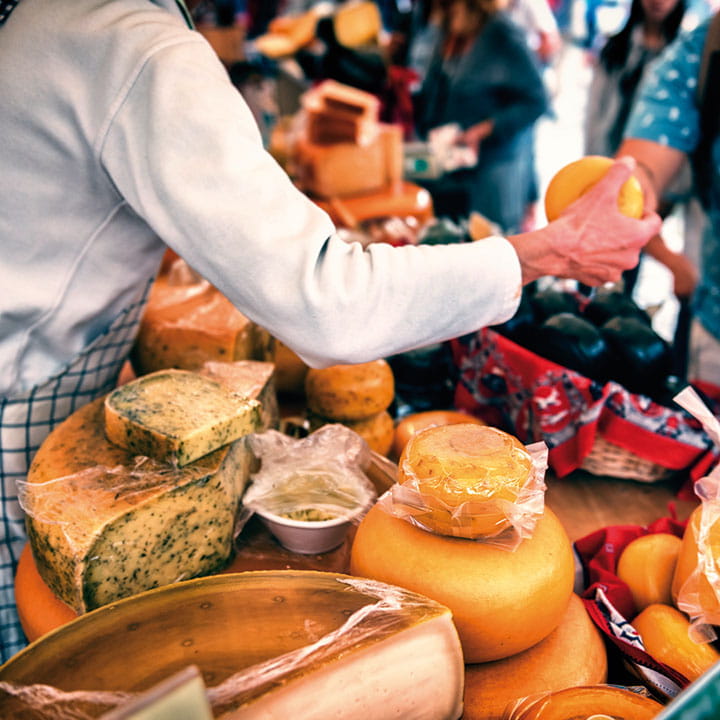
<point x="590" y="701"/>
<point x="502" y="602"/>
<point x="290" y="370"/>
<point x="411" y="424"/>
<point x="377" y="430"/>
<point x="647" y="565"/>
<point x="350" y="392"/>
<point x="691" y="589"/>
<point x="573" y="654"/>
<point x="465" y="464"/>
<point x="665" y="632"/>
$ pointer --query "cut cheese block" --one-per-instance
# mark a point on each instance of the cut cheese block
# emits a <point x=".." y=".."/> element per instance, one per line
<point x="357" y="24"/>
<point x="350" y="392"/>
<point x="269" y="645"/>
<point x="177" y="416"/>
<point x="188" y="322"/>
<point x="250" y="378"/>
<point x="502" y="602"/>
<point x="103" y="524"/>
<point x="573" y="654"/>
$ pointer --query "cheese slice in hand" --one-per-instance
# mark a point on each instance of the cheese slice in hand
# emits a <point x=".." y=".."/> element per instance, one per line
<point x="177" y="416"/>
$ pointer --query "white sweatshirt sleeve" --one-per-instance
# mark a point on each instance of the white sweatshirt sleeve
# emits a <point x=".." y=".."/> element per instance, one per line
<point x="183" y="150"/>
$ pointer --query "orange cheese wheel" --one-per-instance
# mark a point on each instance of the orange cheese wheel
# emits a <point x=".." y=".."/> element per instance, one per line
<point x="665" y="632"/>
<point x="590" y="701"/>
<point x="465" y="464"/>
<point x="693" y="587"/>
<point x="39" y="609"/>
<point x="502" y="602"/>
<point x="377" y="430"/>
<point x="573" y="654"/>
<point x="414" y="423"/>
<point x="350" y="392"/>
<point x="647" y="565"/>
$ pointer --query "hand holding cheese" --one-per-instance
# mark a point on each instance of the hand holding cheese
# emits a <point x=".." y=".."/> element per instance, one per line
<point x="592" y="240"/>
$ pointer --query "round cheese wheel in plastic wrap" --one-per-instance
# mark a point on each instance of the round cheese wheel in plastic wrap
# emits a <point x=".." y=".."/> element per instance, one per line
<point x="471" y="481"/>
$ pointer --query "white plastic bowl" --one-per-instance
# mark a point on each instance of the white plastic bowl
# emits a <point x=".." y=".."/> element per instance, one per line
<point x="308" y="537"/>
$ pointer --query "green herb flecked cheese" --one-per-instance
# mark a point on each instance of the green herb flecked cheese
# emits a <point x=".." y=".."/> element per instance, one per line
<point x="104" y="524"/>
<point x="177" y="416"/>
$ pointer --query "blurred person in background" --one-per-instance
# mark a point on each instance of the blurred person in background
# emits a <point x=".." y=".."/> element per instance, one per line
<point x="484" y="78"/>
<point x="676" y="117"/>
<point x="623" y="62"/>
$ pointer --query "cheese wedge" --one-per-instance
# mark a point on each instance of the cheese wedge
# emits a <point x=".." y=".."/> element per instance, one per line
<point x="188" y="322"/>
<point x="269" y="644"/>
<point x="177" y="416"/>
<point x="103" y="525"/>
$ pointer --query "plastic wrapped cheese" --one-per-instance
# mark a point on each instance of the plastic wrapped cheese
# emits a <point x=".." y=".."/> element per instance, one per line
<point x="269" y="644"/>
<point x="188" y="322"/>
<point x="104" y="523"/>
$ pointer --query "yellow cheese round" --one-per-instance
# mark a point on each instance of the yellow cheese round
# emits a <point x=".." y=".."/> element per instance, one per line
<point x="647" y="565"/>
<point x="598" y="702"/>
<point x="350" y="392"/>
<point x="665" y="633"/>
<point x="503" y="602"/>
<point x="476" y="467"/>
<point x="573" y="654"/>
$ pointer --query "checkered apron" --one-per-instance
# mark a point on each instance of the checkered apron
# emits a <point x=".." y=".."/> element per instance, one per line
<point x="25" y="421"/>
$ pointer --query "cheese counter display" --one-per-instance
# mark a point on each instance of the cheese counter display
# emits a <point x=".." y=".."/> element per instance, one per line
<point x="475" y="612"/>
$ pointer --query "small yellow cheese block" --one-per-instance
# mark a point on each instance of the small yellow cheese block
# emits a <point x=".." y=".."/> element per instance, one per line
<point x="177" y="416"/>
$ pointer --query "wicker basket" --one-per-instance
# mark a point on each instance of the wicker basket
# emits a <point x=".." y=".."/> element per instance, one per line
<point x="605" y="458"/>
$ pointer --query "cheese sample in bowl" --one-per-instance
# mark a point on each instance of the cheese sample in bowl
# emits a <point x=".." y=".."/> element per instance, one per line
<point x="104" y="524"/>
<point x="177" y="416"/>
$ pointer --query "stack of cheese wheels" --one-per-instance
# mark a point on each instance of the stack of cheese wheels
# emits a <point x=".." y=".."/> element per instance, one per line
<point x="571" y="655"/>
<point x="503" y="601"/>
<point x="357" y="396"/>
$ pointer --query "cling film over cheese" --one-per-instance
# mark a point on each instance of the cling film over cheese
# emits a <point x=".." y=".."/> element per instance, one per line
<point x="134" y="522"/>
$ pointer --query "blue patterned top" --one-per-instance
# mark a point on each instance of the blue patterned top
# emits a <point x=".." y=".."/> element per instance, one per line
<point x="667" y="112"/>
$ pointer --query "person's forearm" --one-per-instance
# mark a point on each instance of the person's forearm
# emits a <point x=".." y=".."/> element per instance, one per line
<point x="657" y="165"/>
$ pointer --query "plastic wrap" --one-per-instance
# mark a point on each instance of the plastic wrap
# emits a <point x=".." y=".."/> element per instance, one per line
<point x="99" y="492"/>
<point x="492" y="519"/>
<point x="699" y="596"/>
<point x="318" y="475"/>
<point x="188" y="321"/>
<point x="587" y="701"/>
<point x="388" y="610"/>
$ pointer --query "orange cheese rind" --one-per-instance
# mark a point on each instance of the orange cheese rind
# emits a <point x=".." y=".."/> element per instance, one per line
<point x="470" y="481"/>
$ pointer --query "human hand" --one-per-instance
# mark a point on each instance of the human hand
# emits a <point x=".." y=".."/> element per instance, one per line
<point x="475" y="134"/>
<point x="591" y="241"/>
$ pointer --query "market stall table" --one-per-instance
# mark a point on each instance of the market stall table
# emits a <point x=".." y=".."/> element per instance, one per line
<point x="583" y="502"/>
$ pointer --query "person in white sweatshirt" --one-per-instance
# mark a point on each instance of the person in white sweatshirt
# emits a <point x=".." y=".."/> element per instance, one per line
<point x="121" y="134"/>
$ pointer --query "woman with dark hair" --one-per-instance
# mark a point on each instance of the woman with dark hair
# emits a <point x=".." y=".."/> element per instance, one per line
<point x="484" y="77"/>
<point x="650" y="26"/>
